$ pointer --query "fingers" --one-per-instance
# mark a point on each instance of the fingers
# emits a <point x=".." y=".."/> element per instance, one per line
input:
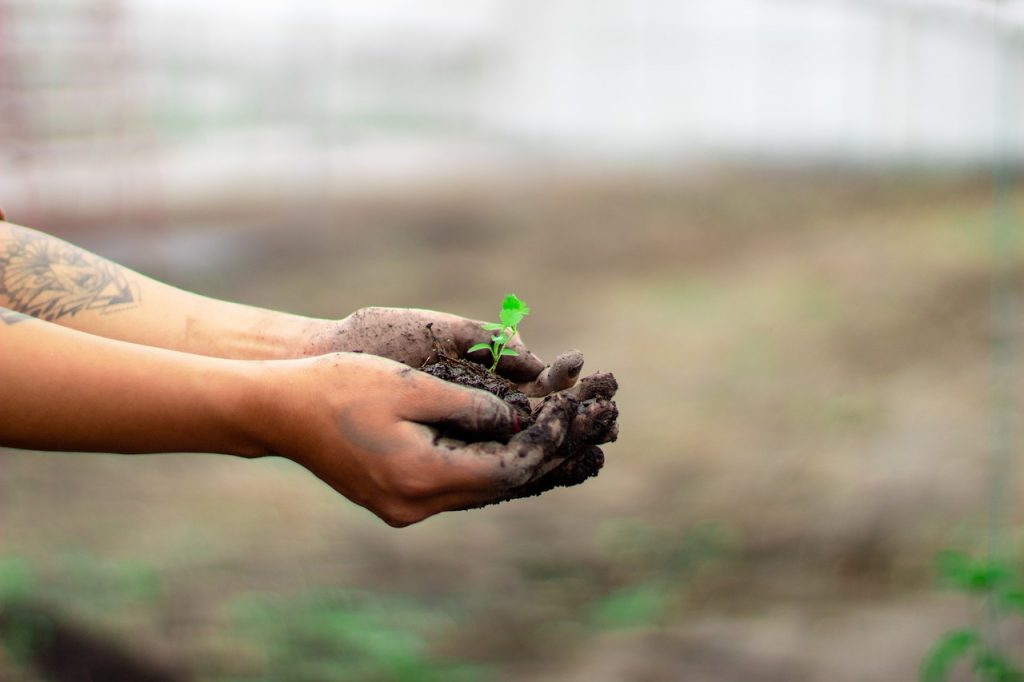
<point x="599" y="385"/>
<point x="473" y="413"/>
<point x="573" y="471"/>
<point x="536" y="449"/>
<point x="489" y="468"/>
<point x="562" y="430"/>
<point x="596" y="423"/>
<point x="559" y="449"/>
<point x="3" y="216"/>
<point x="593" y="424"/>
<point x="560" y="375"/>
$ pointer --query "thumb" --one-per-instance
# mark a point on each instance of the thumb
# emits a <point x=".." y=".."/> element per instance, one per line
<point x="560" y="375"/>
<point x="476" y="414"/>
<point x="522" y="367"/>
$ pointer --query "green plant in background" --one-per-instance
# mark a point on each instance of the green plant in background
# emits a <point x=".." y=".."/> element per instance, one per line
<point x="512" y="313"/>
<point x="340" y="635"/>
<point x="19" y="635"/>
<point x="17" y="581"/>
<point x="114" y="593"/>
<point x="661" y="563"/>
<point x="995" y="582"/>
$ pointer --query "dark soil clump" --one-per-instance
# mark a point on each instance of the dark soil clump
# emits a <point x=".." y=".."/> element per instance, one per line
<point x="593" y="421"/>
<point x="473" y="375"/>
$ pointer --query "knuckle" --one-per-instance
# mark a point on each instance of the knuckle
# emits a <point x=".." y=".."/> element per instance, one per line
<point x="482" y="410"/>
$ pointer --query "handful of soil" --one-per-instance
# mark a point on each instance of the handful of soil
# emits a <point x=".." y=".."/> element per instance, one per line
<point x="572" y="453"/>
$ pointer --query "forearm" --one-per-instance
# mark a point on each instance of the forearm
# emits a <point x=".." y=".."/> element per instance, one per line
<point x="53" y="280"/>
<point x="62" y="389"/>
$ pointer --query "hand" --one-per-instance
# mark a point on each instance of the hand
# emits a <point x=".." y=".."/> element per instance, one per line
<point x="409" y="336"/>
<point x="363" y="425"/>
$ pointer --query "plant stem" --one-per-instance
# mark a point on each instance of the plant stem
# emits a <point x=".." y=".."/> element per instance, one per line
<point x="507" y="332"/>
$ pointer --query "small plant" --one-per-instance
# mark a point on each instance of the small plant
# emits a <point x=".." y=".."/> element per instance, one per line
<point x="512" y="313"/>
<point x="994" y="581"/>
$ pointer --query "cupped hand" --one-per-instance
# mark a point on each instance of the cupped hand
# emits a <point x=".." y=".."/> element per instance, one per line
<point x="410" y="336"/>
<point x="369" y="428"/>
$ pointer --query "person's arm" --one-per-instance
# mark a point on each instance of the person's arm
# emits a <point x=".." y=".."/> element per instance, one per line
<point x="48" y="278"/>
<point x="359" y="422"/>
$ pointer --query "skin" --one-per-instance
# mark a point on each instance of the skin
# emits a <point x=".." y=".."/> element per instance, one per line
<point x="95" y="357"/>
<point x="83" y="291"/>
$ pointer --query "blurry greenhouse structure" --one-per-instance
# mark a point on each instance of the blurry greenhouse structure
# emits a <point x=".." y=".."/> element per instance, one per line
<point x="851" y="81"/>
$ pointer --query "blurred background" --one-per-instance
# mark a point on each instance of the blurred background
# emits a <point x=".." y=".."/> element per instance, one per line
<point x="790" y="227"/>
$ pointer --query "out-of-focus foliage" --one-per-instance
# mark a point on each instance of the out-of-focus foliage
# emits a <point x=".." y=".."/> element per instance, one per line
<point x="1002" y="590"/>
<point x="343" y="635"/>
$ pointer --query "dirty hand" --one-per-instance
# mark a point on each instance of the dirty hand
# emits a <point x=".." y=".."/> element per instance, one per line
<point x="402" y="334"/>
<point x="367" y="426"/>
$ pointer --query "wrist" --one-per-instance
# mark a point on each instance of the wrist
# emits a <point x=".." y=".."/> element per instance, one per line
<point x="234" y="331"/>
<point x="246" y="407"/>
<point x="320" y="337"/>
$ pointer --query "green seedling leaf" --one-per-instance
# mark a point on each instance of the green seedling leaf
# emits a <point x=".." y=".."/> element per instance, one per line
<point x="512" y="302"/>
<point x="951" y="647"/>
<point x="511" y="318"/>
<point x="479" y="346"/>
<point x="512" y="313"/>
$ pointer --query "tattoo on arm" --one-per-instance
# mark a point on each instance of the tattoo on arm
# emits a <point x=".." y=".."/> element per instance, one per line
<point x="48" y="278"/>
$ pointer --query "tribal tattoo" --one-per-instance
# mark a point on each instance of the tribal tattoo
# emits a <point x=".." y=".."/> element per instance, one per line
<point x="50" y="279"/>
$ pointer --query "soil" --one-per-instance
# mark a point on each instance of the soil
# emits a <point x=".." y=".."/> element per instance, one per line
<point x="582" y="457"/>
<point x="471" y="374"/>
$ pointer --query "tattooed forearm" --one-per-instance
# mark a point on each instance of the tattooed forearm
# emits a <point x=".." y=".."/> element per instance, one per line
<point x="11" y="317"/>
<point x="48" y="278"/>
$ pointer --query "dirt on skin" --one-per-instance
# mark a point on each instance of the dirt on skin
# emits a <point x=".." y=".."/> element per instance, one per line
<point x="590" y="412"/>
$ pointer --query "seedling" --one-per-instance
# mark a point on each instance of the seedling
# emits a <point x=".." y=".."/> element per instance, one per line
<point x="512" y="313"/>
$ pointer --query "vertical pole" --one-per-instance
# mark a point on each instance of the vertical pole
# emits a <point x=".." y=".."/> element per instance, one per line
<point x="1003" y="315"/>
